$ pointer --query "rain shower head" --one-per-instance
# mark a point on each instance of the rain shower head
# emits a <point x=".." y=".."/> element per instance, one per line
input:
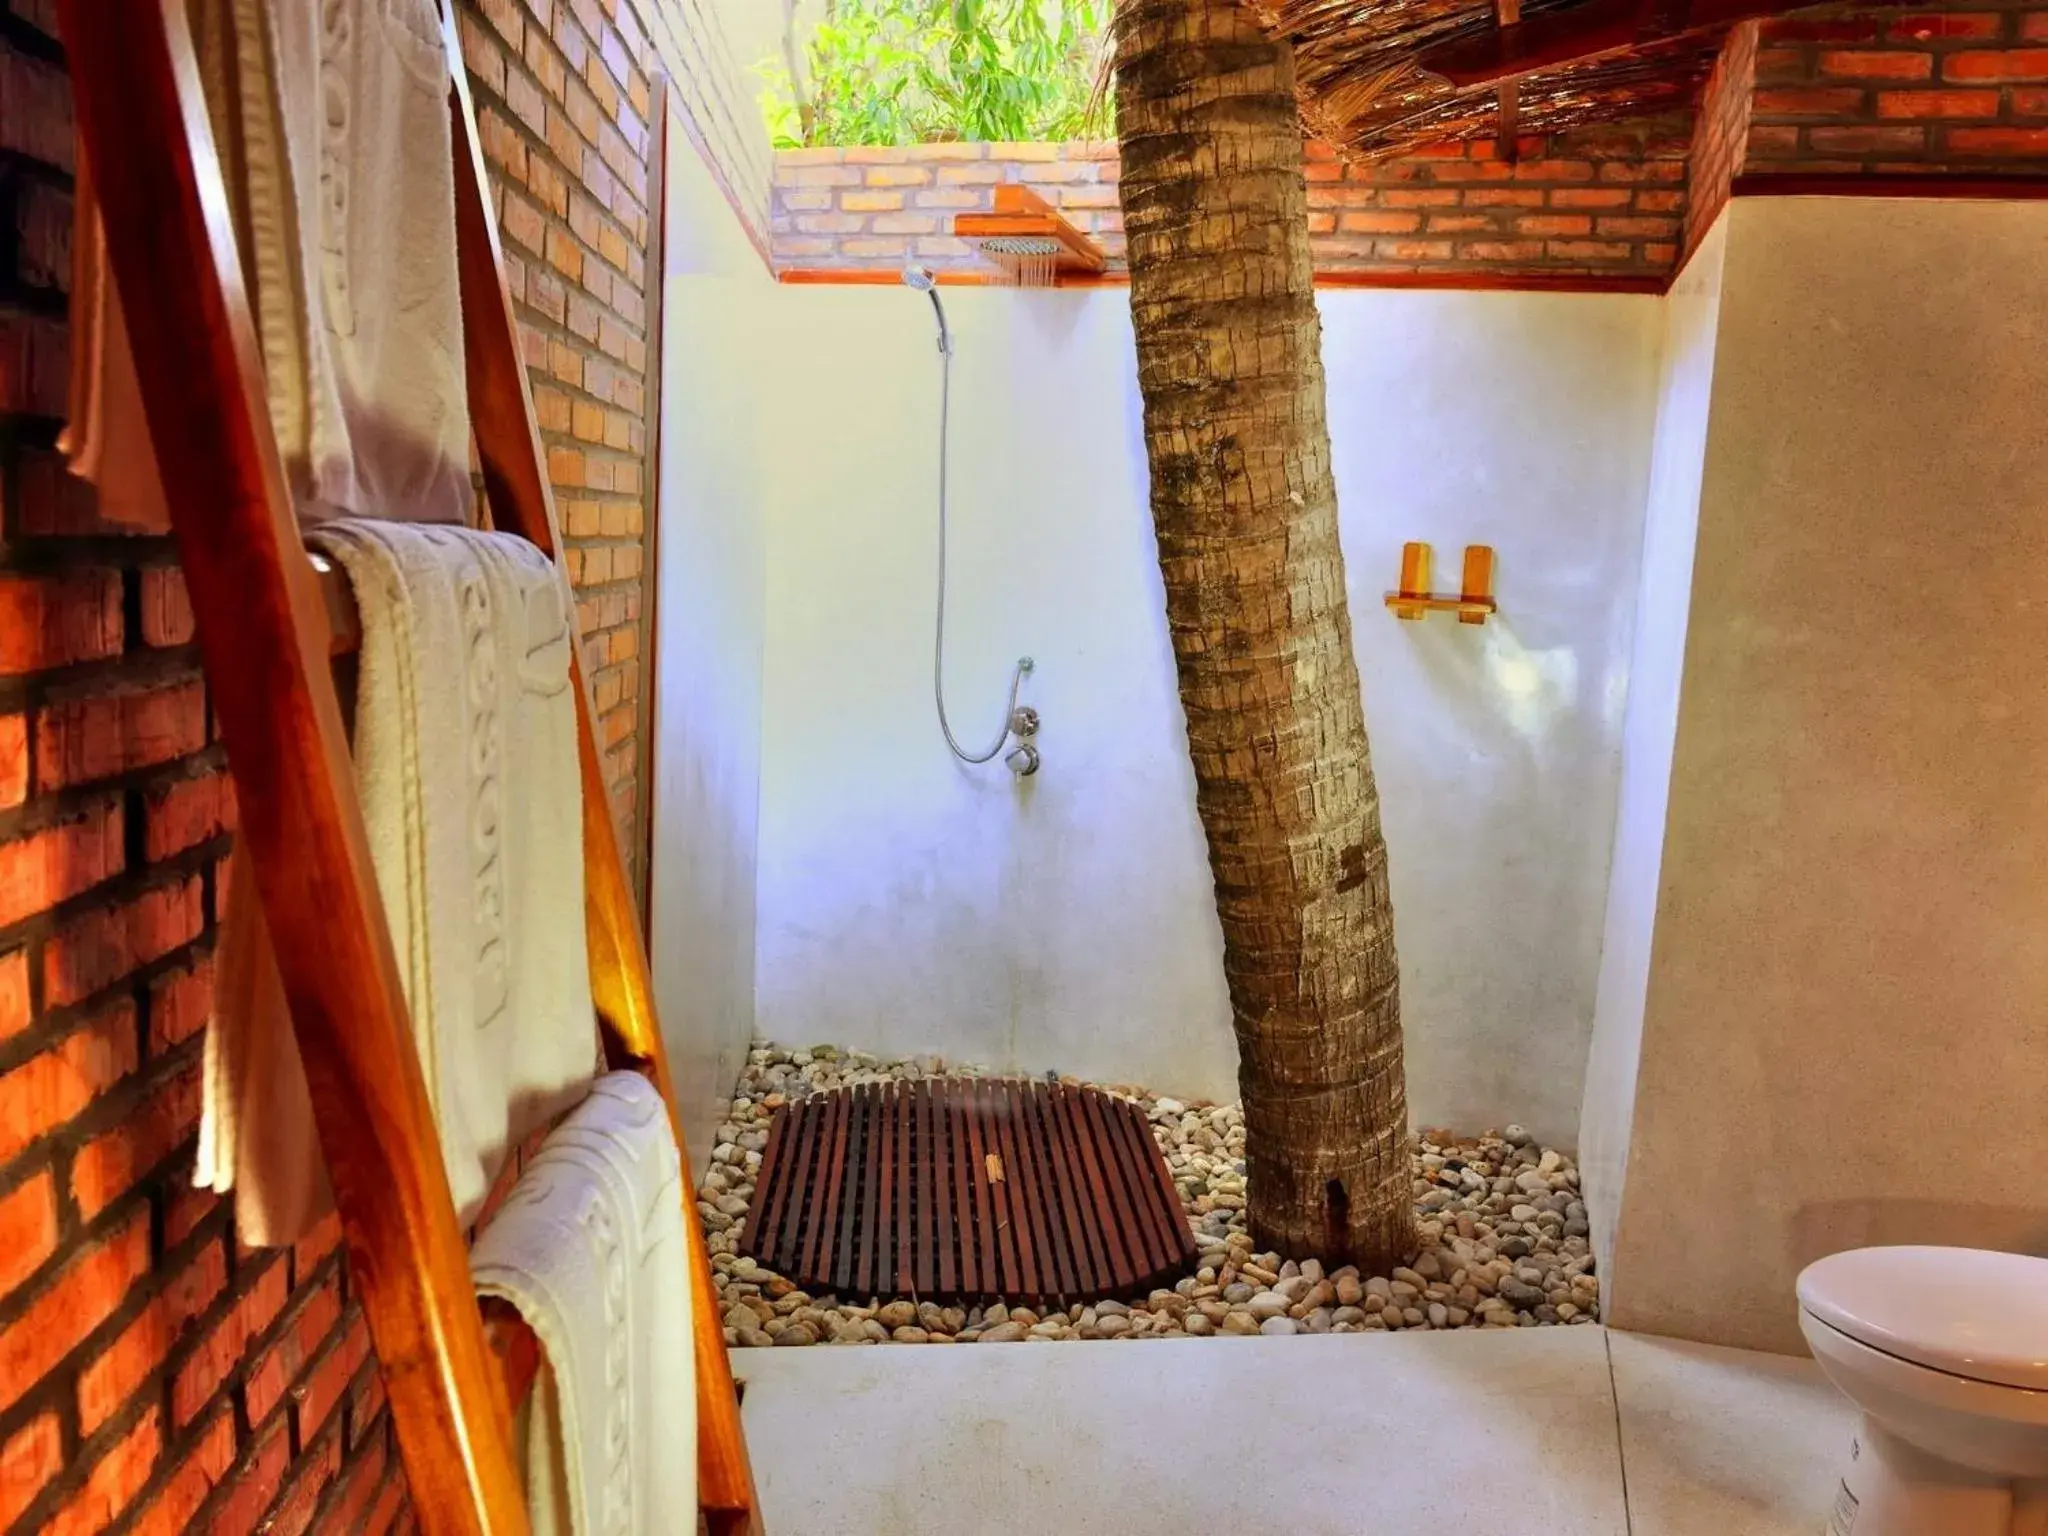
<point x="923" y="280"/>
<point x="1021" y="245"/>
<point x="1027" y="240"/>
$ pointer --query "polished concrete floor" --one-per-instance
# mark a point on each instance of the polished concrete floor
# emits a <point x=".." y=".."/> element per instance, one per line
<point x="1539" y="1432"/>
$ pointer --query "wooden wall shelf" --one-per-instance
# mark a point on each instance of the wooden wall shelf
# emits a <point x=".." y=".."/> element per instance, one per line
<point x="1472" y="603"/>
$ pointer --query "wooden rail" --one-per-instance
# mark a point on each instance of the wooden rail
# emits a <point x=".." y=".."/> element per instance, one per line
<point x="267" y="632"/>
<point x="264" y="641"/>
<point x="516" y="486"/>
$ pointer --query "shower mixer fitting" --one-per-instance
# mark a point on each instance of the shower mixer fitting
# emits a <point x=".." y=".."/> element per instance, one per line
<point x="1019" y="721"/>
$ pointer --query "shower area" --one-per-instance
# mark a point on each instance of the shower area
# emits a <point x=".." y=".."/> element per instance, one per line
<point x="922" y="793"/>
<point x="974" y="839"/>
<point x="844" y="878"/>
<point x="1036" y="922"/>
<point x="843" y="894"/>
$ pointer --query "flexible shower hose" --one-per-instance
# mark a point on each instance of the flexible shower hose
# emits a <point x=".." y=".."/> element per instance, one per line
<point x="939" y="636"/>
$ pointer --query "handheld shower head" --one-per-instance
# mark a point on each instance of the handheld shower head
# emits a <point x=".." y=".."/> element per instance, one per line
<point x="925" y="282"/>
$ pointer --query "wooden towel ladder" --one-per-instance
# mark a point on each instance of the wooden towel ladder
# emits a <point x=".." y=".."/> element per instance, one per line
<point x="265" y="638"/>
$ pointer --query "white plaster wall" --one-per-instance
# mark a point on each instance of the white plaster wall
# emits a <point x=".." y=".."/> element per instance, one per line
<point x="907" y="904"/>
<point x="1522" y="421"/>
<point x="1844" y="1036"/>
<point x="1649" y="729"/>
<point x="710" y="629"/>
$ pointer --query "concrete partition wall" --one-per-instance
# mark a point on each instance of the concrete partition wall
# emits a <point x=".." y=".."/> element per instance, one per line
<point x="709" y="633"/>
<point x="1649" y="728"/>
<point x="1843" y="1032"/>
<point x="909" y="904"/>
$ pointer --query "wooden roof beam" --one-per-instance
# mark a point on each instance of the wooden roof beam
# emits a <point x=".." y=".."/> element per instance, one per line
<point x="1583" y="32"/>
<point x="1509" y="14"/>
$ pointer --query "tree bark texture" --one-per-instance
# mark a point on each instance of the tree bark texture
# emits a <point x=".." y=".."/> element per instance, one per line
<point x="1230" y="367"/>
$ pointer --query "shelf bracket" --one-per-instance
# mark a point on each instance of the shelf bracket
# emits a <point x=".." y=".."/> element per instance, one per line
<point x="1471" y="603"/>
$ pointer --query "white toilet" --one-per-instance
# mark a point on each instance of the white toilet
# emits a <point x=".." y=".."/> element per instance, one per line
<point x="1946" y="1352"/>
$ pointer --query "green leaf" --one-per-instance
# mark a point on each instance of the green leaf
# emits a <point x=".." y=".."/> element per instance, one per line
<point x="902" y="72"/>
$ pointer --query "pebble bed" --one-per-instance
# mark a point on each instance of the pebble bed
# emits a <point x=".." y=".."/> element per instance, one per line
<point x="1500" y="1224"/>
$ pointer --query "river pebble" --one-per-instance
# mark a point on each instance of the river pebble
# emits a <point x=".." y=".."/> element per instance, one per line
<point x="1502" y="1238"/>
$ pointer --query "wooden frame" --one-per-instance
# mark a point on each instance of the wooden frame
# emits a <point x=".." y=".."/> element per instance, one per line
<point x="1928" y="184"/>
<point x="267" y="632"/>
<point x="1476" y="280"/>
<point x="1564" y="36"/>
<point x="1508" y="14"/>
<point x="650" y="571"/>
<point x="947" y="277"/>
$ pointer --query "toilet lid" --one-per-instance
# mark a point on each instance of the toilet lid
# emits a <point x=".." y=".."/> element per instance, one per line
<point x="1970" y="1313"/>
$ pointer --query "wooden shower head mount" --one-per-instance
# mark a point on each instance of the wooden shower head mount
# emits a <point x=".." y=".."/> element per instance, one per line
<point x="1021" y="214"/>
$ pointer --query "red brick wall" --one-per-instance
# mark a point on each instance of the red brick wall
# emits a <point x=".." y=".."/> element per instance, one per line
<point x="154" y="1375"/>
<point x="564" y="93"/>
<point x="1720" y="133"/>
<point x="1954" y="87"/>
<point x="1950" y="87"/>
<point x="1604" y="203"/>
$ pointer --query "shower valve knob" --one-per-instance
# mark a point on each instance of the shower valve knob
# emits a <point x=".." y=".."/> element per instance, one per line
<point x="1022" y="760"/>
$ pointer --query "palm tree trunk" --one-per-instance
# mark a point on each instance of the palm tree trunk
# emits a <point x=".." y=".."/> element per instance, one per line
<point x="1230" y="366"/>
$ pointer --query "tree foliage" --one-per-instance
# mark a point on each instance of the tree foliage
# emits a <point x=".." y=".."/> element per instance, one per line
<point x="917" y="71"/>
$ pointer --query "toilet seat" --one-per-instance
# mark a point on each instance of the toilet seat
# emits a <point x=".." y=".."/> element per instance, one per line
<point x="1976" y="1315"/>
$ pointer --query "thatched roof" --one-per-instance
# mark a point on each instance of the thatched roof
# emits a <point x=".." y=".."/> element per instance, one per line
<point x="1381" y="77"/>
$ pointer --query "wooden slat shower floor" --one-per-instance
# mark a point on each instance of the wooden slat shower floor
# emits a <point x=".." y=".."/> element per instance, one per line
<point x="967" y="1188"/>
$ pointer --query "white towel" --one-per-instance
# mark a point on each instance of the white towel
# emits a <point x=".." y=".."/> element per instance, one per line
<point x="331" y="119"/>
<point x="466" y="762"/>
<point x="589" y="1247"/>
<point x="106" y="435"/>
<point x="256" y="1132"/>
